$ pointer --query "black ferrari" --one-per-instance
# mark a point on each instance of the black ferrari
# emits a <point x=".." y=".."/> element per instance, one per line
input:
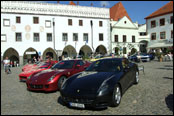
<point x="102" y="84"/>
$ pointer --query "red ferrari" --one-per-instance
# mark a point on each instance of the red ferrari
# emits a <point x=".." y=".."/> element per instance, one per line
<point x="29" y="66"/>
<point x="52" y="79"/>
<point x="32" y="69"/>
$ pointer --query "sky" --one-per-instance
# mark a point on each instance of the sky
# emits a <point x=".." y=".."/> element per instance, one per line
<point x="137" y="10"/>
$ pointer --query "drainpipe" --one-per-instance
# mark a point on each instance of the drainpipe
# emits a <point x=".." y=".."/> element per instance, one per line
<point x="54" y="38"/>
<point x="92" y="36"/>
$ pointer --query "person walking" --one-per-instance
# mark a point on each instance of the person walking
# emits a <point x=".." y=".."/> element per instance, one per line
<point x="7" y="65"/>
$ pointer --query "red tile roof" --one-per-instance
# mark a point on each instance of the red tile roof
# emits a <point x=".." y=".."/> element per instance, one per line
<point x="168" y="8"/>
<point x="118" y="11"/>
<point x="71" y="3"/>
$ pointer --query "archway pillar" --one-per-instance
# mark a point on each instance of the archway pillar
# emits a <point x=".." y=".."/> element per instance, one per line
<point x="21" y="60"/>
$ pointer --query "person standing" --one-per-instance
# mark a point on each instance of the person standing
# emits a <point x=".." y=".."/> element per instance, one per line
<point x="6" y="65"/>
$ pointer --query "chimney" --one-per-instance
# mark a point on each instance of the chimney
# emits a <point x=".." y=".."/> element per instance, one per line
<point x="91" y="4"/>
<point x="77" y="2"/>
<point x="58" y="2"/>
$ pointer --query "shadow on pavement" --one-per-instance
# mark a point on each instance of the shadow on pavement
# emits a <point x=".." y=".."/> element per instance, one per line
<point x="168" y="68"/>
<point x="168" y="78"/>
<point x="169" y="101"/>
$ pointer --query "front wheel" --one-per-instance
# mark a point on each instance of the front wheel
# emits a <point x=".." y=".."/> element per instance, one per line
<point x="116" y="98"/>
<point x="60" y="81"/>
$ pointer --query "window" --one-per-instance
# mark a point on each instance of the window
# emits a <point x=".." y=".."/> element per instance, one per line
<point x="143" y="33"/>
<point x="36" y="37"/>
<point x="133" y="39"/>
<point x="64" y="37"/>
<point x="18" y="37"/>
<point x="153" y="36"/>
<point x="153" y="24"/>
<point x="49" y="36"/>
<point x="36" y="20"/>
<point x="85" y="37"/>
<point x="163" y="35"/>
<point x="124" y="50"/>
<point x="171" y="20"/>
<point x="47" y="23"/>
<point x="75" y="37"/>
<point x="18" y="19"/>
<point x="6" y="22"/>
<point x="100" y="23"/>
<point x="69" y="21"/>
<point x="124" y="38"/>
<point x="172" y="34"/>
<point x="116" y="38"/>
<point x="80" y="22"/>
<point x="101" y="37"/>
<point x="162" y="22"/>
<point x="3" y="38"/>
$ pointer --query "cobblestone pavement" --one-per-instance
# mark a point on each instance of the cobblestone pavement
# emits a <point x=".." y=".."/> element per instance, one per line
<point x="152" y="96"/>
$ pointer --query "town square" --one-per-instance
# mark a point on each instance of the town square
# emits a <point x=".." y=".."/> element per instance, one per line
<point x="75" y="59"/>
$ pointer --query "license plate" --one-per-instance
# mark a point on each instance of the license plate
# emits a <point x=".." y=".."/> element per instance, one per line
<point x="77" y="105"/>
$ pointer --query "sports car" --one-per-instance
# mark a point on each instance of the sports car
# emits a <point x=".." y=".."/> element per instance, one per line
<point x="144" y="57"/>
<point x="51" y="79"/>
<point x="101" y="85"/>
<point x="42" y="66"/>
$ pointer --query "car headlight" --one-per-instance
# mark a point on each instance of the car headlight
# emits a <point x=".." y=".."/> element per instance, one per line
<point x="52" y="77"/>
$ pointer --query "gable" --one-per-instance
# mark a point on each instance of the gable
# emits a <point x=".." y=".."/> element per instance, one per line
<point x="125" y="23"/>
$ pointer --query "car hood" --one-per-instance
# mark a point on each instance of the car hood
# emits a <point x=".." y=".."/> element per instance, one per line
<point x="87" y="82"/>
<point x="44" y="75"/>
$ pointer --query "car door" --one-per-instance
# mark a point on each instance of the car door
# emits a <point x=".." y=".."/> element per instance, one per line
<point x="125" y="80"/>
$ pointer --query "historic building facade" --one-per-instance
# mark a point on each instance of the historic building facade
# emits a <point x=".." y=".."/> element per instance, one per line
<point x="160" y="27"/>
<point x="39" y="29"/>
<point x="127" y="37"/>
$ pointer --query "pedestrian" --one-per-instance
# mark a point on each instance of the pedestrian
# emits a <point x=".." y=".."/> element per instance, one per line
<point x="7" y="65"/>
<point x="11" y="64"/>
<point x="34" y="59"/>
<point x="170" y="56"/>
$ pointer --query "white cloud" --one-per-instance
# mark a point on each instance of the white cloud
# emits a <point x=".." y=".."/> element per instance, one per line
<point x="106" y="3"/>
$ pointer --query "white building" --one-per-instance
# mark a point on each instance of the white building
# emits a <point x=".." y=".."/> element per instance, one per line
<point x="30" y="29"/>
<point x="127" y="37"/>
<point x="160" y="27"/>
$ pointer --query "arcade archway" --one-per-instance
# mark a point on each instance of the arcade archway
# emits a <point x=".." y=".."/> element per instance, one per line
<point x="29" y="54"/>
<point x="49" y="52"/>
<point x="101" y="50"/>
<point x="143" y="46"/>
<point x="85" y="51"/>
<point x="12" y="55"/>
<point x="69" y="51"/>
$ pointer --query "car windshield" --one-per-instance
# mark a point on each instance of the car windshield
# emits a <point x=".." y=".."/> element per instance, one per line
<point x="44" y="65"/>
<point x="105" y="66"/>
<point x="64" y="65"/>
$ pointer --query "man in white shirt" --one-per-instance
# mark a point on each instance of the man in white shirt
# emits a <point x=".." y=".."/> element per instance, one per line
<point x="6" y="65"/>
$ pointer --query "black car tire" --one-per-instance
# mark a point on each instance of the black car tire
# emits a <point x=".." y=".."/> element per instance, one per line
<point x="60" y="81"/>
<point x="136" y="77"/>
<point x="116" y="97"/>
